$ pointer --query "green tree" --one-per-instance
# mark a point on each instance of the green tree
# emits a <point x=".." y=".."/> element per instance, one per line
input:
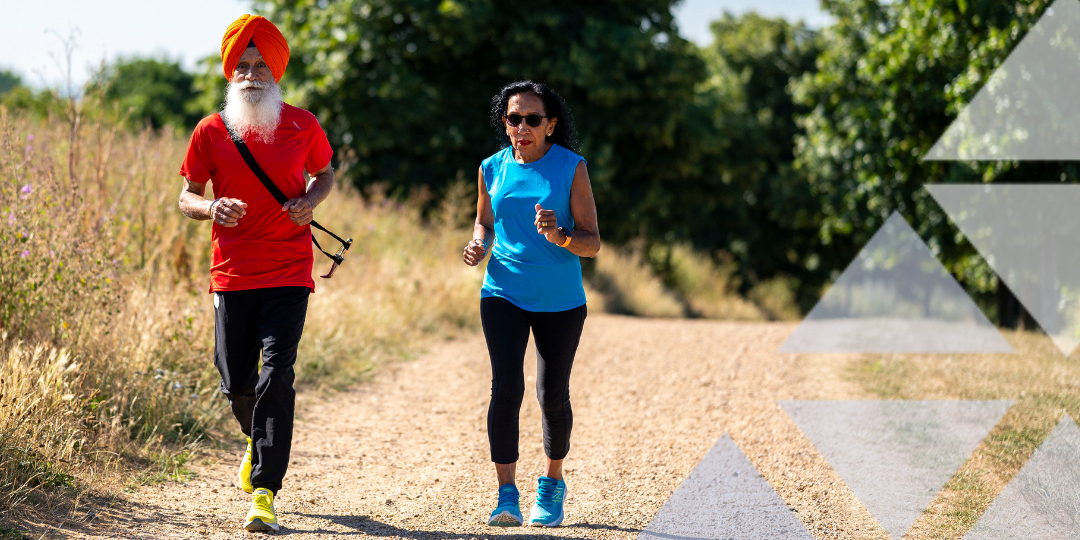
<point x="9" y="80"/>
<point x="209" y="88"/>
<point x="744" y="195"/>
<point x="16" y="95"/>
<point x="151" y="92"/>
<point x="893" y="76"/>
<point x="403" y="89"/>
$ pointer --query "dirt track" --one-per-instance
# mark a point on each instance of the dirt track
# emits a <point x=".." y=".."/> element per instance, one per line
<point x="406" y="455"/>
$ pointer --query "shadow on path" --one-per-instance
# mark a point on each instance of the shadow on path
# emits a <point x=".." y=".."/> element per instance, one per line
<point x="363" y="525"/>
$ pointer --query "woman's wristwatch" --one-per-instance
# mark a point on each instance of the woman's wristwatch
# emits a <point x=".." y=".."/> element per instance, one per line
<point x="566" y="233"/>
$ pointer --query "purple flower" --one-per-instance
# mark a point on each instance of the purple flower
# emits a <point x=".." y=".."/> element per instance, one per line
<point x="25" y="253"/>
<point x="11" y="219"/>
<point x="29" y="149"/>
<point x="30" y="138"/>
<point x="27" y="189"/>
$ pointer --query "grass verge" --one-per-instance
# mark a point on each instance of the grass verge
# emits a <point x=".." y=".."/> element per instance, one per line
<point x="1043" y="384"/>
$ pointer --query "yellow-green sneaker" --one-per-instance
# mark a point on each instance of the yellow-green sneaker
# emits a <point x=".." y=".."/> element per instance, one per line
<point x="245" y="470"/>
<point x="261" y="517"/>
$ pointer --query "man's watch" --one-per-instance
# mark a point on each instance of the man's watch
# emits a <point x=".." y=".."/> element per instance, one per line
<point x="567" y="234"/>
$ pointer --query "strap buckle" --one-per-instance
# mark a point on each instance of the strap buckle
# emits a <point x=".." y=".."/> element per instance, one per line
<point x="338" y="258"/>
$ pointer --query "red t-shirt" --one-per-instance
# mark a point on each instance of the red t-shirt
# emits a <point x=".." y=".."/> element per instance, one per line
<point x="265" y="249"/>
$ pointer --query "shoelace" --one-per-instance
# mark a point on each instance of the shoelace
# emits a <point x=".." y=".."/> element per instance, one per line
<point x="545" y="492"/>
<point x="262" y="500"/>
<point x="507" y="497"/>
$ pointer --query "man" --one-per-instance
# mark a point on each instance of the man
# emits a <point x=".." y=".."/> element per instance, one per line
<point x="260" y="272"/>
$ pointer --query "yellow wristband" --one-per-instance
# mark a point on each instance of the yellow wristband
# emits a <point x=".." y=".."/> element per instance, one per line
<point x="567" y="242"/>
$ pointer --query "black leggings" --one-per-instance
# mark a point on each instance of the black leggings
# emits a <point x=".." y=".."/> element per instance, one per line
<point x="506" y="328"/>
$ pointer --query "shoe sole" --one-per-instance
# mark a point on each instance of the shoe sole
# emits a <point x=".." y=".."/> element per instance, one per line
<point x="258" y="525"/>
<point x="554" y="523"/>
<point x="504" y="520"/>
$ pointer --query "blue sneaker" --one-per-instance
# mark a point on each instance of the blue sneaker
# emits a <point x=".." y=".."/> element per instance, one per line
<point x="508" y="513"/>
<point x="548" y="510"/>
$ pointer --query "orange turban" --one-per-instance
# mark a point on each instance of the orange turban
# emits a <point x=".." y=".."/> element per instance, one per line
<point x="268" y="39"/>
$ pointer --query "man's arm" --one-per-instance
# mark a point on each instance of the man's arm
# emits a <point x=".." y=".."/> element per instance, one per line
<point x="193" y="205"/>
<point x="301" y="208"/>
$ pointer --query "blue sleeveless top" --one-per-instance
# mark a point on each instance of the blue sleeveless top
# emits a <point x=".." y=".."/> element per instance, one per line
<point x="525" y="268"/>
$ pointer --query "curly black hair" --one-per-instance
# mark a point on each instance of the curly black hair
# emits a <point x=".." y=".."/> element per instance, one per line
<point x="564" y="135"/>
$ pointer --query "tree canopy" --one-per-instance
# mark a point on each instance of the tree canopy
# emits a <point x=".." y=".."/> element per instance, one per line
<point x="404" y="88"/>
<point x="892" y="76"/>
<point x="151" y="92"/>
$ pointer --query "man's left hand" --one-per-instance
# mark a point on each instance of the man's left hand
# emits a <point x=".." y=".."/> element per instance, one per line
<point x="299" y="210"/>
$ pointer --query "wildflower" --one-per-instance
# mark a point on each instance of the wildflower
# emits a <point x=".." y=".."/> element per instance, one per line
<point x="177" y="385"/>
<point x="194" y="396"/>
<point x="30" y="138"/>
<point x="29" y="148"/>
<point x="11" y="219"/>
<point x="26" y="191"/>
<point x="25" y="253"/>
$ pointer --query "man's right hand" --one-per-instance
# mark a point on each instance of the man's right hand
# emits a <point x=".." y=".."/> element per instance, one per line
<point x="226" y="212"/>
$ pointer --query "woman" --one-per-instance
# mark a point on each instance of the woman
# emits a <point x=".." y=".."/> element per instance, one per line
<point x="536" y="213"/>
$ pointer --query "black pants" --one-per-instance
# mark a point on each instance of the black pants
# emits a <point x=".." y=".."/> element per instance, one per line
<point x="557" y="334"/>
<point x="269" y="321"/>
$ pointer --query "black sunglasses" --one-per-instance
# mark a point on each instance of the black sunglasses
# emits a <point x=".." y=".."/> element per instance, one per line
<point x="533" y="120"/>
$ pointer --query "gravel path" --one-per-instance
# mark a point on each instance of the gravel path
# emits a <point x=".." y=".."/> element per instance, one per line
<point x="406" y="455"/>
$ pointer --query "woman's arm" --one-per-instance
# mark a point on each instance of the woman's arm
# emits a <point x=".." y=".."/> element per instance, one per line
<point x="585" y="241"/>
<point x="484" y="227"/>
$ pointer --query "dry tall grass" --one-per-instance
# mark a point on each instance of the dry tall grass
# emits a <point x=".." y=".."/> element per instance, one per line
<point x="624" y="282"/>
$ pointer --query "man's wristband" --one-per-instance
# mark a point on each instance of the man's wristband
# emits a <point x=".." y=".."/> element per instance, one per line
<point x="211" y="210"/>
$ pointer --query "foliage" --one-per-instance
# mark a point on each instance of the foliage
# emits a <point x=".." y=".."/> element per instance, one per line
<point x="743" y="195"/>
<point x="209" y="87"/>
<point x="402" y="88"/>
<point x="9" y="80"/>
<point x="151" y="92"/>
<point x="892" y="77"/>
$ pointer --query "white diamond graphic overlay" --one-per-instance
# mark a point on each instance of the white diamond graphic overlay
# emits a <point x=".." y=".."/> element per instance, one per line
<point x="1043" y="500"/>
<point x="1029" y="108"/>
<point x="1028" y="234"/>
<point x="723" y="498"/>
<point x="895" y="297"/>
<point x="896" y="455"/>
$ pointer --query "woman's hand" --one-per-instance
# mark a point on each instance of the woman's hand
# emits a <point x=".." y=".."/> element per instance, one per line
<point x="548" y="225"/>
<point x="474" y="252"/>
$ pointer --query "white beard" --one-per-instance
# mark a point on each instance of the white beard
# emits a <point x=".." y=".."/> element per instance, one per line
<point x="254" y="109"/>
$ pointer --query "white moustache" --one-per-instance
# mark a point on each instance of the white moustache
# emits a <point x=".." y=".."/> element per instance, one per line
<point x="243" y="85"/>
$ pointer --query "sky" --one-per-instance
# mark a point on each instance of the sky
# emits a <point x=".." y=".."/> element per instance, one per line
<point x="32" y="32"/>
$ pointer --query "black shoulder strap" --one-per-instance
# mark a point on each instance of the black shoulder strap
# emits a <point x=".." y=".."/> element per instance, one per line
<point x="245" y="153"/>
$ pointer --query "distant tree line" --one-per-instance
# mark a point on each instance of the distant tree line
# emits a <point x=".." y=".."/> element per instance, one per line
<point x="778" y="148"/>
